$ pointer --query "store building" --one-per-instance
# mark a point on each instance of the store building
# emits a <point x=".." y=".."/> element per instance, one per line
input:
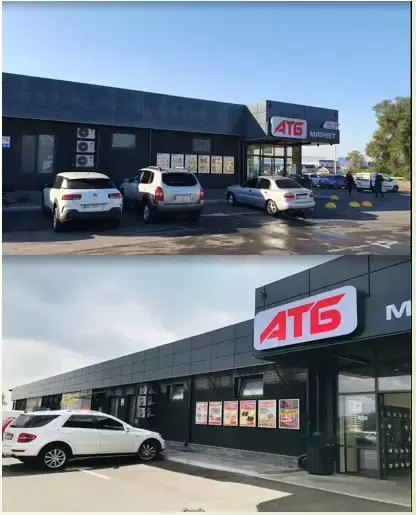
<point x="50" y="126"/>
<point x="327" y="356"/>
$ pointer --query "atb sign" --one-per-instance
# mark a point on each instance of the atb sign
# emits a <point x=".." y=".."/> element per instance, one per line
<point x="291" y="128"/>
<point x="327" y="315"/>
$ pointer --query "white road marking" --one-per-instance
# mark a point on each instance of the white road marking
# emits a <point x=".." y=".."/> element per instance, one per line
<point x="385" y="244"/>
<point x="229" y="214"/>
<point x="92" y="473"/>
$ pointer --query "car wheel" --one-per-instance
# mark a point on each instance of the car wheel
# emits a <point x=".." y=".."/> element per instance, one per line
<point x="271" y="207"/>
<point x="395" y="189"/>
<point x="194" y="216"/>
<point x="56" y="223"/>
<point x="149" y="450"/>
<point x="148" y="214"/>
<point x="232" y="201"/>
<point x="53" y="457"/>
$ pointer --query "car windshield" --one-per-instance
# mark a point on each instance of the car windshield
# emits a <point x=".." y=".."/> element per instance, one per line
<point x="179" y="179"/>
<point x="89" y="184"/>
<point x="285" y="184"/>
<point x="32" y="420"/>
<point x="361" y="176"/>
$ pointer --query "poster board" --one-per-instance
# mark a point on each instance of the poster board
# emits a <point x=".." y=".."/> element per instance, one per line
<point x="216" y="164"/>
<point x="163" y="160"/>
<point x="267" y="414"/>
<point x="191" y="162"/>
<point x="177" y="161"/>
<point x="289" y="414"/>
<point x="201" y="413"/>
<point x="228" y="165"/>
<point x="247" y="413"/>
<point x="203" y="164"/>
<point x="230" y="415"/>
<point x="215" y="413"/>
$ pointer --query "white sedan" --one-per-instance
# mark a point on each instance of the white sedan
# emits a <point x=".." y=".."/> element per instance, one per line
<point x="274" y="194"/>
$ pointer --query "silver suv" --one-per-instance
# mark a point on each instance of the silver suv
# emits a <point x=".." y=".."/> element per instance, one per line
<point x="157" y="191"/>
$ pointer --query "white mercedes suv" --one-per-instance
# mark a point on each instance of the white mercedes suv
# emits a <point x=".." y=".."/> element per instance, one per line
<point x="50" y="439"/>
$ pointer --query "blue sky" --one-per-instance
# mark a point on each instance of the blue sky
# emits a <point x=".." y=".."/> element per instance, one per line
<point x="346" y="56"/>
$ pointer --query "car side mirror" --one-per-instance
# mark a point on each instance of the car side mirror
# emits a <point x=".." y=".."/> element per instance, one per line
<point x="127" y="429"/>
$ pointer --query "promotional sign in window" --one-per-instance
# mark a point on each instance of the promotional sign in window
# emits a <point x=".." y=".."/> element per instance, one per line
<point x="201" y="413"/>
<point x="247" y="413"/>
<point x="191" y="162"/>
<point x="177" y="161"/>
<point x="267" y="414"/>
<point x="326" y="315"/>
<point x="230" y="413"/>
<point x="203" y="164"/>
<point x="216" y="164"/>
<point x="289" y="414"/>
<point x="228" y="164"/>
<point x="77" y="400"/>
<point x="33" y="404"/>
<point x="163" y="160"/>
<point x="5" y="141"/>
<point x="215" y="413"/>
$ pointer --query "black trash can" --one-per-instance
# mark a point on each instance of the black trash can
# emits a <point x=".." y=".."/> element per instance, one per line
<point x="320" y="459"/>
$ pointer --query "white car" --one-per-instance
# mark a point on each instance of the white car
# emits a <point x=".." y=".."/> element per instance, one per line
<point x="159" y="191"/>
<point x="51" y="438"/>
<point x="81" y="196"/>
<point x="275" y="194"/>
<point x="366" y="181"/>
<point x="312" y="176"/>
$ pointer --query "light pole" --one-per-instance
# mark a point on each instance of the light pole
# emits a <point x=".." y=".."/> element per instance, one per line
<point x="335" y="159"/>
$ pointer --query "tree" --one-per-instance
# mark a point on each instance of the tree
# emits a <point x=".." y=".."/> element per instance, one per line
<point x="391" y="145"/>
<point x="355" y="161"/>
<point x="3" y="399"/>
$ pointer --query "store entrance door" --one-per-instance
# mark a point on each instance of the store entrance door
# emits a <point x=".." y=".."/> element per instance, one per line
<point x="395" y="423"/>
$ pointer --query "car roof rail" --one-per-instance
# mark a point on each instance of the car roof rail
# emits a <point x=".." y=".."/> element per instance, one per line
<point x="179" y="169"/>
<point x="153" y="168"/>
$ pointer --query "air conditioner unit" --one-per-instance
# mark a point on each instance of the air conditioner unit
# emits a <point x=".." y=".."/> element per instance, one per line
<point x="87" y="147"/>
<point x="143" y="389"/>
<point x="142" y="412"/>
<point x="142" y="400"/>
<point x="84" y="161"/>
<point x="85" y="133"/>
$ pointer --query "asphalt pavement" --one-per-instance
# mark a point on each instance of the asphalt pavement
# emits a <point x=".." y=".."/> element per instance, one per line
<point x="125" y="485"/>
<point x="382" y="228"/>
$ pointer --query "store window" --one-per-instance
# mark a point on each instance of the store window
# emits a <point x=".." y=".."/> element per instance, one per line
<point x="176" y="392"/>
<point x="360" y="379"/>
<point x="37" y="154"/>
<point x="201" y="145"/>
<point x="250" y="386"/>
<point x="123" y="140"/>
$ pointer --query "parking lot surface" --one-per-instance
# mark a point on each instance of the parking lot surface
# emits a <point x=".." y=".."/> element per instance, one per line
<point x="125" y="485"/>
<point x="382" y="228"/>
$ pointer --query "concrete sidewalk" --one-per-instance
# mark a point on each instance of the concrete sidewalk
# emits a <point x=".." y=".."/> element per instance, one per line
<point x="391" y="492"/>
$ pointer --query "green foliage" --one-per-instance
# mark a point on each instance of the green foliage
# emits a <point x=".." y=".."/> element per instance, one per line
<point x="355" y="161"/>
<point x="390" y="147"/>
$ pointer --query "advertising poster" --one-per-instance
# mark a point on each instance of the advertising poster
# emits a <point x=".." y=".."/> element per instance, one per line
<point x="289" y="414"/>
<point x="228" y="163"/>
<point x="215" y="413"/>
<point x="203" y="164"/>
<point x="216" y="164"/>
<point x="163" y="160"/>
<point x="5" y="141"/>
<point x="267" y="414"/>
<point x="201" y="413"/>
<point x="33" y="404"/>
<point x="177" y="161"/>
<point x="77" y="400"/>
<point x="191" y="162"/>
<point x="230" y="413"/>
<point x="247" y="413"/>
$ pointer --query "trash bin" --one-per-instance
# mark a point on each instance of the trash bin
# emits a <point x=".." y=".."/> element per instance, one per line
<point x="320" y="459"/>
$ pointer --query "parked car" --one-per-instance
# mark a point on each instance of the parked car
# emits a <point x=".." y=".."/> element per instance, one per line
<point x="81" y="196"/>
<point x="366" y="180"/>
<point x="157" y="191"/>
<point x="312" y="177"/>
<point x="50" y="439"/>
<point x="275" y="194"/>
<point x="332" y="181"/>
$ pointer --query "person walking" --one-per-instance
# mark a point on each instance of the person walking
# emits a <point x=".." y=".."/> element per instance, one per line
<point x="349" y="182"/>
<point x="378" y="185"/>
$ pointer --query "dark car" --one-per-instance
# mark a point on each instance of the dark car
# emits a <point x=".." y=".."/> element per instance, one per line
<point x="332" y="181"/>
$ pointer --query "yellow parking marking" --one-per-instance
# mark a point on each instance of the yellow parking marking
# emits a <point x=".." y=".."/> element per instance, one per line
<point x="367" y="203"/>
<point x="354" y="203"/>
<point x="334" y="197"/>
<point x="330" y="205"/>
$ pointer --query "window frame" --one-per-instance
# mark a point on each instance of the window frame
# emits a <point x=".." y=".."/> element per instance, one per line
<point x="251" y="179"/>
<point x="170" y="390"/>
<point x="264" y="179"/>
<point x="117" y="147"/>
<point x="35" y="171"/>
<point x="239" y="383"/>
<point x="92" y="417"/>
<point x="106" y="417"/>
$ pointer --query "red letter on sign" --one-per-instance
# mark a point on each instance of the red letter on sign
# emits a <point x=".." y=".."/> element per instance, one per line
<point x="297" y="314"/>
<point x="281" y="127"/>
<point x="321" y="322"/>
<point x="290" y="125"/>
<point x="298" y="128"/>
<point x="276" y="328"/>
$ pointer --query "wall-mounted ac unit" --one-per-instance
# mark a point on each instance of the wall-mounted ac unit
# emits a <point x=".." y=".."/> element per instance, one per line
<point x="85" y="133"/>
<point x="142" y="400"/>
<point x="84" y="161"/>
<point x="142" y="412"/>
<point x="143" y="389"/>
<point x="86" y="146"/>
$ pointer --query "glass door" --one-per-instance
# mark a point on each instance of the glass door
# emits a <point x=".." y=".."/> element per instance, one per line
<point x="358" y="434"/>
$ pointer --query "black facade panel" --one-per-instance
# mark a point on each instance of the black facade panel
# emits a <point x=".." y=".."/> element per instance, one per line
<point x="337" y="271"/>
<point x="182" y="358"/>
<point x="165" y="361"/>
<point x="200" y="367"/>
<point x="362" y="283"/>
<point x="379" y="262"/>
<point x="244" y="344"/>
<point x="182" y="345"/>
<point x="287" y="288"/>
<point x="225" y="348"/>
<point x="201" y="354"/>
<point x="244" y="328"/>
<point x="224" y="363"/>
<point x="392" y="281"/>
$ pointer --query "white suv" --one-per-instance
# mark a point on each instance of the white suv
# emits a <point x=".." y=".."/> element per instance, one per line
<point x="156" y="191"/>
<point x="81" y="196"/>
<point x="51" y="438"/>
